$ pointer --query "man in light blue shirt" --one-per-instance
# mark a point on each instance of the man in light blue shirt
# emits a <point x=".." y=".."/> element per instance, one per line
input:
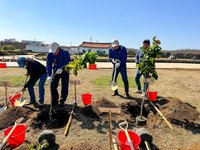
<point x="139" y="55"/>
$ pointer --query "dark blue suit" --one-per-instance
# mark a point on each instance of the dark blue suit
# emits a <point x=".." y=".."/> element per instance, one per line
<point x="55" y="62"/>
<point x="121" y="55"/>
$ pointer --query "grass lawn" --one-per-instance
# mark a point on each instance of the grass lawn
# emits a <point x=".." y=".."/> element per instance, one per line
<point x="104" y="81"/>
<point x="16" y="81"/>
<point x="13" y="81"/>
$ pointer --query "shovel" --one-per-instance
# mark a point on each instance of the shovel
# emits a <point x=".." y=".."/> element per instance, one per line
<point x="20" y="102"/>
<point x="52" y="76"/>
<point x="4" y="107"/>
<point x="113" y="84"/>
<point x="11" y="131"/>
<point x="126" y="132"/>
<point x="110" y="110"/>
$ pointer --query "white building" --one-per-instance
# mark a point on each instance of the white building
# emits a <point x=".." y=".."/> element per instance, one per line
<point x="99" y="48"/>
<point x="36" y="46"/>
<point x="9" y="40"/>
<point x="74" y="50"/>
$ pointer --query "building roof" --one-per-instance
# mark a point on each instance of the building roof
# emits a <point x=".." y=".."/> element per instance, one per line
<point x="95" y="45"/>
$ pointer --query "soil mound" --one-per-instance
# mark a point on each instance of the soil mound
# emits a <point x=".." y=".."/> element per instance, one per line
<point x="178" y="113"/>
<point x="8" y="117"/>
<point x="102" y="103"/>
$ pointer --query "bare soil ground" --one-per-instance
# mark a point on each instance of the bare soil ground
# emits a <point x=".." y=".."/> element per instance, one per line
<point x="179" y="100"/>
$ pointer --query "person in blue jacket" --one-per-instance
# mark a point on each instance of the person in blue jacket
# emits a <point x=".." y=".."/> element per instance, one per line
<point x="36" y="71"/>
<point x="57" y="58"/>
<point x="139" y="55"/>
<point x="118" y="53"/>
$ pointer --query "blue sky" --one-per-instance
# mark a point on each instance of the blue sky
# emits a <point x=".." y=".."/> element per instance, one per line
<point x="175" y="22"/>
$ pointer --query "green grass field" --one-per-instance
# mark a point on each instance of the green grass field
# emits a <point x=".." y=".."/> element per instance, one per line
<point x="104" y="81"/>
<point x="16" y="81"/>
<point x="13" y="81"/>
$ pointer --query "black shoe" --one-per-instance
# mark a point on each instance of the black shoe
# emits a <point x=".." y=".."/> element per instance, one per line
<point x="62" y="105"/>
<point x="36" y="105"/>
<point x="115" y="94"/>
<point x="31" y="103"/>
<point x="127" y="96"/>
<point x="55" y="106"/>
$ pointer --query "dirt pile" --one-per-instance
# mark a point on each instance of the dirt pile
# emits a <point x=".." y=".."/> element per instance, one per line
<point x="102" y="103"/>
<point x="8" y="117"/>
<point x="178" y="113"/>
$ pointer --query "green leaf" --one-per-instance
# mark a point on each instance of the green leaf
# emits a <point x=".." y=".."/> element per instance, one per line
<point x="155" y="76"/>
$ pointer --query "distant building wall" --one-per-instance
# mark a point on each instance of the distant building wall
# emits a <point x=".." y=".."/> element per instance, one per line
<point x="96" y="50"/>
<point x="36" y="48"/>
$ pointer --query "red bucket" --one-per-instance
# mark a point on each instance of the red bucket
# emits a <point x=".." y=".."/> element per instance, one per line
<point x="152" y="95"/>
<point x="123" y="142"/>
<point x="17" y="137"/>
<point x="13" y="98"/>
<point x="92" y="66"/>
<point x="86" y="98"/>
<point x="3" y="65"/>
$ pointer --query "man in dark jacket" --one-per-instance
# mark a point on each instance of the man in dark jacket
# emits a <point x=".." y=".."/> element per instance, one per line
<point x="36" y="71"/>
<point x="118" y="53"/>
<point x="57" y="58"/>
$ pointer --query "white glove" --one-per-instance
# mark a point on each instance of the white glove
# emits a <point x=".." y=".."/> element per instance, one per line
<point x="113" y="61"/>
<point x="49" y="78"/>
<point x="117" y="65"/>
<point x="59" y="71"/>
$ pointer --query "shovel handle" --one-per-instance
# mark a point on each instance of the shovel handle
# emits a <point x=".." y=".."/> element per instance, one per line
<point x="67" y="126"/>
<point x="18" y="121"/>
<point x="129" y="140"/>
<point x="115" y="144"/>
<point x="126" y="132"/>
<point x="69" y="120"/>
<point x="11" y="131"/>
<point x="147" y="145"/>
<point x="164" y="118"/>
<point x="122" y="124"/>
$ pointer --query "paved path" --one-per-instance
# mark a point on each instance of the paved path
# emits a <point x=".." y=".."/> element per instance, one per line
<point x="107" y="65"/>
<point x="158" y="65"/>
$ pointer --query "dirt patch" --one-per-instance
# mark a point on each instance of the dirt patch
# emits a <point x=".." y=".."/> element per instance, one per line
<point x="194" y="146"/>
<point x="8" y="117"/>
<point x="179" y="113"/>
<point x="102" y="103"/>
<point x="81" y="146"/>
<point x="59" y="118"/>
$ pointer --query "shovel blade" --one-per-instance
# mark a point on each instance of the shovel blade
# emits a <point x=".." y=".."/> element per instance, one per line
<point x="113" y="85"/>
<point x="20" y="103"/>
<point x="2" y="109"/>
